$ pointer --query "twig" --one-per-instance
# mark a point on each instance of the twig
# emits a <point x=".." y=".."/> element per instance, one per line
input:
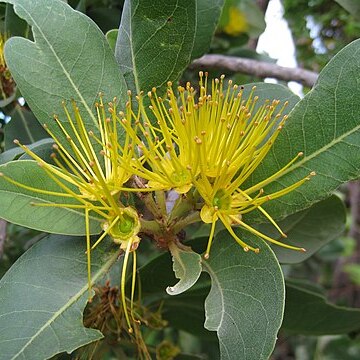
<point x="257" y="68"/>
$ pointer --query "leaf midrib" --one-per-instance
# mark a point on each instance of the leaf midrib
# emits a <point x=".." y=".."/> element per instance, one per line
<point x="320" y="151"/>
<point x="136" y="80"/>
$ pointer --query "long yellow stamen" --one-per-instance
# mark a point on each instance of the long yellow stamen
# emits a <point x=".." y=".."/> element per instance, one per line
<point x="133" y="282"/>
<point x="211" y="236"/>
<point x="245" y="246"/>
<point x="88" y="249"/>
<point x="123" y="282"/>
<point x="265" y="237"/>
<point x="106" y="232"/>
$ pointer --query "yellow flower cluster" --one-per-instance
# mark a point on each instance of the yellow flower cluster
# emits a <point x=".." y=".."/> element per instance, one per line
<point x="204" y="142"/>
<point x="89" y="168"/>
<point x="212" y="144"/>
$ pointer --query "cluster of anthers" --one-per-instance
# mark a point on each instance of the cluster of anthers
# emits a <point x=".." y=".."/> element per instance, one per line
<point x="202" y="144"/>
<point x="210" y="144"/>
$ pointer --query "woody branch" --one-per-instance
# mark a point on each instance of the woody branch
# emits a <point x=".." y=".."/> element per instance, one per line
<point x="257" y="68"/>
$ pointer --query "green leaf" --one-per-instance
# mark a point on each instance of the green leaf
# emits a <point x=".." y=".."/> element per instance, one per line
<point x="325" y="126"/>
<point x="43" y="297"/>
<point x="246" y="301"/>
<point x="310" y="229"/>
<point x="16" y="202"/>
<point x="11" y="154"/>
<point x="111" y="37"/>
<point x="43" y="148"/>
<point x="309" y="313"/>
<point x="254" y="17"/>
<point x="40" y="147"/>
<point x="13" y="24"/>
<point x="24" y="127"/>
<point x="245" y="286"/>
<point x="352" y="6"/>
<point x="187" y="268"/>
<point x="70" y="59"/>
<point x="207" y="17"/>
<point x="155" y="41"/>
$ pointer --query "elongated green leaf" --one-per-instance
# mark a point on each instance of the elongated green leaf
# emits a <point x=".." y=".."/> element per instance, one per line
<point x="70" y="59"/>
<point x="309" y="313"/>
<point x="41" y="148"/>
<point x="11" y="154"/>
<point x="13" y="24"/>
<point x="155" y="41"/>
<point x="310" y="229"/>
<point x="16" y="202"/>
<point x="187" y="268"/>
<point x="246" y="301"/>
<point x="43" y="295"/>
<point x="325" y="126"/>
<point x="24" y="127"/>
<point x="207" y="17"/>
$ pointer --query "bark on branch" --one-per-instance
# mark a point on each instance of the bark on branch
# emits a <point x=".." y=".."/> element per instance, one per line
<point x="254" y="67"/>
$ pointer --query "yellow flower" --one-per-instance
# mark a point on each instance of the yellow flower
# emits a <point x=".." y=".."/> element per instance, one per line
<point x="3" y="39"/>
<point x="213" y="143"/>
<point x="237" y="23"/>
<point x="89" y="168"/>
<point x="168" y="155"/>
